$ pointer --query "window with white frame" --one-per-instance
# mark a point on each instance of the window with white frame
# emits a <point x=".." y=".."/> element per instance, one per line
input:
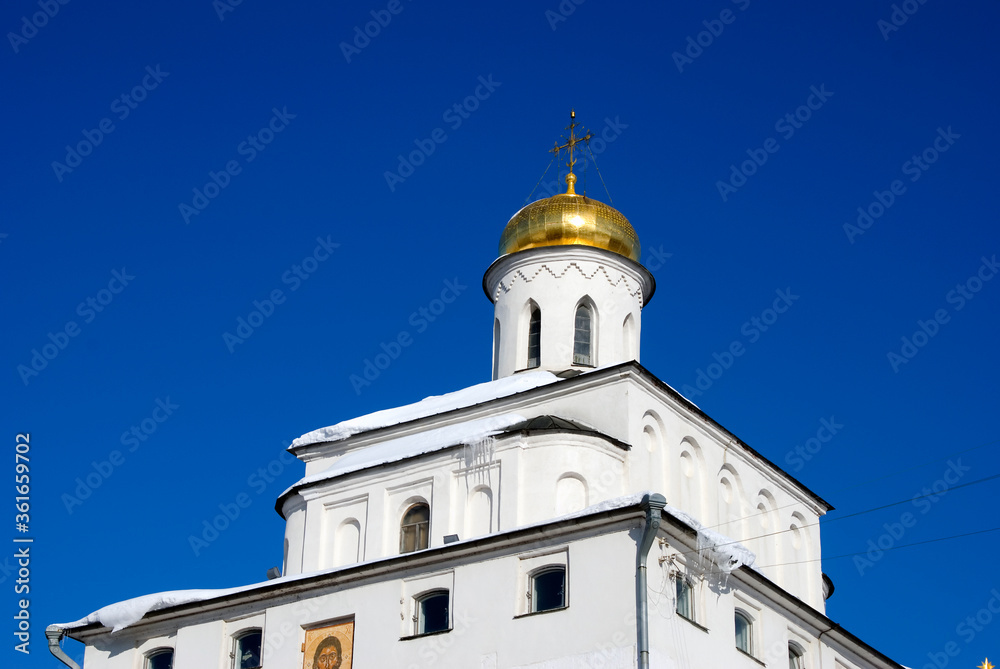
<point x="543" y="581"/>
<point x="246" y="649"/>
<point x="431" y="612"/>
<point x="161" y="658"/>
<point x="744" y="632"/>
<point x="426" y="604"/>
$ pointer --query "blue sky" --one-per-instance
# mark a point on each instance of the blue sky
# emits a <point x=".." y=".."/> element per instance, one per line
<point x="253" y="152"/>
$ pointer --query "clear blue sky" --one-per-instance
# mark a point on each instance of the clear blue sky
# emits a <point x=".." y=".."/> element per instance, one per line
<point x="299" y="133"/>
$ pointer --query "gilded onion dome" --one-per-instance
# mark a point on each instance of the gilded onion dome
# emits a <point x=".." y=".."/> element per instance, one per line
<point x="568" y="219"/>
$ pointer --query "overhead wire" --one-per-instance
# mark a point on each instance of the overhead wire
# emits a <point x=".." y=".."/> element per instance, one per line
<point x="857" y="513"/>
<point x="891" y="548"/>
<point x="874" y="480"/>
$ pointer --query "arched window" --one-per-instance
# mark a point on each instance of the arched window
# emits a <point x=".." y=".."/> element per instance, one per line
<point x="548" y="589"/>
<point x="413" y="529"/>
<point x="744" y="630"/>
<point x="161" y="658"/>
<point x="246" y="653"/>
<point x="582" y="336"/>
<point x="796" y="658"/>
<point x="535" y="338"/>
<point x="431" y="613"/>
<point x="685" y="597"/>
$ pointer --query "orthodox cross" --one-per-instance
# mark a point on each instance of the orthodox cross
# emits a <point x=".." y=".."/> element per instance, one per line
<point x="572" y="141"/>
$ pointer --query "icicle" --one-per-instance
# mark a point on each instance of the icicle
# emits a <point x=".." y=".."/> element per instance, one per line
<point x="478" y="456"/>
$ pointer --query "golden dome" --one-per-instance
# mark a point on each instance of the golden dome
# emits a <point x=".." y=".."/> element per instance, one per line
<point x="567" y="219"/>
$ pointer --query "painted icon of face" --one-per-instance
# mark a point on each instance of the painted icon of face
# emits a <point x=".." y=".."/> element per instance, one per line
<point x="328" y="654"/>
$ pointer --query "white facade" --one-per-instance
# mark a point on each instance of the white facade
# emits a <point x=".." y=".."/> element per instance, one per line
<point x="556" y="280"/>
<point x="544" y="471"/>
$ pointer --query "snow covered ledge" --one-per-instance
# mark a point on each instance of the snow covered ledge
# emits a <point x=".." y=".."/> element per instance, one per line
<point x="429" y="406"/>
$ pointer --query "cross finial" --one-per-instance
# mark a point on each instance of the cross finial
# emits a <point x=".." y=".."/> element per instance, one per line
<point x="570" y="145"/>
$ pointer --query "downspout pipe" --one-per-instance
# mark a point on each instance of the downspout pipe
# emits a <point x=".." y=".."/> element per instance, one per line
<point x="55" y="634"/>
<point x="653" y="506"/>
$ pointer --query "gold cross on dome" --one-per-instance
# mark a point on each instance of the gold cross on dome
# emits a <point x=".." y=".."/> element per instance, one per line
<point x="570" y="145"/>
<point x="985" y="665"/>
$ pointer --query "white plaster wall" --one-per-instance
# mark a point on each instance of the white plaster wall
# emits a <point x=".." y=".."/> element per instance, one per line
<point x="597" y="628"/>
<point x="673" y="451"/>
<point x="660" y="434"/>
<point x="295" y="525"/>
<point x="484" y="605"/>
<point x="547" y="462"/>
<point x="558" y="280"/>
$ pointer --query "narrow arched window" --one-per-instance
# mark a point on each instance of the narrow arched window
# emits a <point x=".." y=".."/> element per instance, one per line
<point x="162" y="658"/>
<point x="583" y="336"/>
<point x="795" y="657"/>
<point x="246" y="654"/>
<point x="535" y="338"/>
<point x="744" y="629"/>
<point x="413" y="529"/>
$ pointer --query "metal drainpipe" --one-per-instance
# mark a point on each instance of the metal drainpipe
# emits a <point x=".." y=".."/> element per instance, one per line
<point x="653" y="505"/>
<point x="54" y="635"/>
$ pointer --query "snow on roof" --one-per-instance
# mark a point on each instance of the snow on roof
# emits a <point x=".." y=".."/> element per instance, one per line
<point x="429" y="406"/>
<point x="725" y="553"/>
<point x="469" y="433"/>
<point x="121" y="615"/>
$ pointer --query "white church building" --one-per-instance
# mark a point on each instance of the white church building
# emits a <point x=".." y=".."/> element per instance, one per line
<point x="572" y="512"/>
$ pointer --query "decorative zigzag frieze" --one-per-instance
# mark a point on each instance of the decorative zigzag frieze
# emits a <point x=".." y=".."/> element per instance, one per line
<point x="518" y="275"/>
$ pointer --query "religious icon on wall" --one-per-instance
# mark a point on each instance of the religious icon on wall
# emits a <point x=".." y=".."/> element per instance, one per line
<point x="329" y="647"/>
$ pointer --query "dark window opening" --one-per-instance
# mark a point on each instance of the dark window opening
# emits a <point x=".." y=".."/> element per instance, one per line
<point x="161" y="659"/>
<point x="248" y="650"/>
<point x="535" y="338"/>
<point x="548" y="589"/>
<point x="432" y="613"/>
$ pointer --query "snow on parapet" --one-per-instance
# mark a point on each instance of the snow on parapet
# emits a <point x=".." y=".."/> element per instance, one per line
<point x="429" y="406"/>
<point x="393" y="450"/>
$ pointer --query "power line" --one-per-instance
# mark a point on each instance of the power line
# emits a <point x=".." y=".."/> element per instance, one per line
<point x="874" y="480"/>
<point x="910" y="499"/>
<point x="891" y="548"/>
<point x="858" y="513"/>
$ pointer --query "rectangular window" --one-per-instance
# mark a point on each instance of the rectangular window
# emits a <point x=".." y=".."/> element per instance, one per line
<point x="685" y="596"/>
